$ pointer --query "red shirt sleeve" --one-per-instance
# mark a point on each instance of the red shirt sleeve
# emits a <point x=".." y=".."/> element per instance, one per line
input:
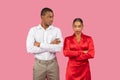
<point x="66" y="49"/>
<point x="90" y="53"/>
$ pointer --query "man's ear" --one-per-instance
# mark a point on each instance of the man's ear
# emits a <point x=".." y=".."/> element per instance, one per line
<point x="41" y="17"/>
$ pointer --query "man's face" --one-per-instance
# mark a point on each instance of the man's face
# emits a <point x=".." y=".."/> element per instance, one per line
<point x="77" y="27"/>
<point x="48" y="18"/>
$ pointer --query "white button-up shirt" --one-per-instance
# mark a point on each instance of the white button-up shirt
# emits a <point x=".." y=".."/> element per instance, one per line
<point x="46" y="51"/>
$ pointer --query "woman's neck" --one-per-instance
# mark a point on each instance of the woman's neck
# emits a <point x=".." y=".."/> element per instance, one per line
<point x="78" y="35"/>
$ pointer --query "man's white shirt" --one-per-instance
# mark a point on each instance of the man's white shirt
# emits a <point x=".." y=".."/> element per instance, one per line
<point x="46" y="51"/>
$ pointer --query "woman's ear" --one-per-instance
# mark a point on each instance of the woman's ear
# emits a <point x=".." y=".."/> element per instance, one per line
<point x="83" y="26"/>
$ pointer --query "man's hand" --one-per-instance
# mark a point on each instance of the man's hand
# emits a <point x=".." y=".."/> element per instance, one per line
<point x="56" y="41"/>
<point x="36" y="44"/>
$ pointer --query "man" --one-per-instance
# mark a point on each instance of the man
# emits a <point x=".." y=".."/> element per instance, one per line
<point x="44" y="41"/>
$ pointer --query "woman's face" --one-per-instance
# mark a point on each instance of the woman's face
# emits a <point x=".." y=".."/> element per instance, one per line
<point x="77" y="27"/>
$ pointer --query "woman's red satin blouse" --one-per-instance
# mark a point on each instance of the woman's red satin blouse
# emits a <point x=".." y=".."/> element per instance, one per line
<point x="78" y="64"/>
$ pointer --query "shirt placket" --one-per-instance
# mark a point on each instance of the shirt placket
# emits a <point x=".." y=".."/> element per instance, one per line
<point x="45" y="41"/>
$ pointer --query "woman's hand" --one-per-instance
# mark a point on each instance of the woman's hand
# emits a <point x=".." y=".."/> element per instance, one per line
<point x="85" y="51"/>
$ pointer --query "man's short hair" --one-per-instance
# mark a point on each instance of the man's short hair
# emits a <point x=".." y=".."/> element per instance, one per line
<point x="44" y="10"/>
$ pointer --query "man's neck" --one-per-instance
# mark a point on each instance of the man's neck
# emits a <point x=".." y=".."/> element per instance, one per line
<point x="44" y="26"/>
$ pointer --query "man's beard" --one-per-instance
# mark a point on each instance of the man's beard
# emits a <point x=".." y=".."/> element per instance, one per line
<point x="47" y="25"/>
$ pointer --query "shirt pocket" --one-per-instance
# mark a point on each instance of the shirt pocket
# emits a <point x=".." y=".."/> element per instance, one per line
<point x="38" y="37"/>
<point x="51" y="37"/>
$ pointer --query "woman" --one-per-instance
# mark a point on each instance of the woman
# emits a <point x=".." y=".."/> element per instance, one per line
<point x="79" y="48"/>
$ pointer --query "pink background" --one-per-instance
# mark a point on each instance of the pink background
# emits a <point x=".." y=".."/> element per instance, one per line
<point x="101" y="20"/>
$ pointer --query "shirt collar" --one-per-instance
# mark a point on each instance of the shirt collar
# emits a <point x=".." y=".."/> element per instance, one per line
<point x="40" y="27"/>
<point x="81" y="35"/>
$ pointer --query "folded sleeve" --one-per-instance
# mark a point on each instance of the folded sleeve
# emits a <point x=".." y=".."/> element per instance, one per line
<point x="66" y="49"/>
<point x="53" y="47"/>
<point x="30" y="43"/>
<point x="90" y="53"/>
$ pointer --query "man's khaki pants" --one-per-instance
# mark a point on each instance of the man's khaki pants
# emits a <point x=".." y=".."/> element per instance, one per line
<point x="46" y="70"/>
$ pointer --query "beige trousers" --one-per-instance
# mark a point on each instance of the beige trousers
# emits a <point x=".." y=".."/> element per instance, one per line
<point x="46" y="70"/>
